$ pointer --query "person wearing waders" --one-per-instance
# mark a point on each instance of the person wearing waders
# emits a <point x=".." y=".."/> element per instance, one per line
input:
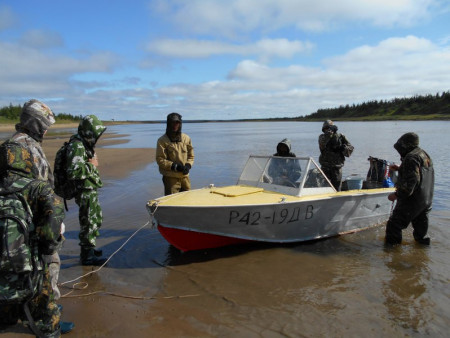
<point x="175" y="156"/>
<point x="414" y="191"/>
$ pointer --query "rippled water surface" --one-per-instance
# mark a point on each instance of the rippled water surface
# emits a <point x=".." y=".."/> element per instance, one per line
<point x="344" y="286"/>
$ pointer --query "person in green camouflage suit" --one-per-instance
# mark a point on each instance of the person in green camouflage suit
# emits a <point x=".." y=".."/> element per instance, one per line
<point x="334" y="147"/>
<point x="82" y="168"/>
<point x="35" y="119"/>
<point x="414" y="191"/>
<point x="16" y="175"/>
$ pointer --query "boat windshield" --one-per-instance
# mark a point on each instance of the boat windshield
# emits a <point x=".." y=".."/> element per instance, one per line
<point x="297" y="176"/>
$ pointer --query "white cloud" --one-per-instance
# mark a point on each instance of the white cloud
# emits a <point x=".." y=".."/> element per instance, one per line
<point x="396" y="67"/>
<point x="18" y="62"/>
<point x="26" y="71"/>
<point x="264" y="49"/>
<point x="230" y="18"/>
<point x="41" y="39"/>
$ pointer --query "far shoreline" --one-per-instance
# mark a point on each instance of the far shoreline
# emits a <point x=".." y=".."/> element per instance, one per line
<point x="9" y="126"/>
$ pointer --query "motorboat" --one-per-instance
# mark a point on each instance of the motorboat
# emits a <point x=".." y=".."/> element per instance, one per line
<point x="275" y="200"/>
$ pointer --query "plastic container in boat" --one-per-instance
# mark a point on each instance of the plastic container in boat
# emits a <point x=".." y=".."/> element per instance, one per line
<point x="354" y="182"/>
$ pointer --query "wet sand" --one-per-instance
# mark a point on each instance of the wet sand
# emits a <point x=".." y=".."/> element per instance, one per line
<point x="114" y="163"/>
<point x="98" y="315"/>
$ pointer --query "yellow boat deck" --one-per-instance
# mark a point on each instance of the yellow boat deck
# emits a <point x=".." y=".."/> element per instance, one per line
<point x="245" y="195"/>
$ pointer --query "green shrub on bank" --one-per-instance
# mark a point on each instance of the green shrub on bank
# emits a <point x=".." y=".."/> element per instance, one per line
<point x="11" y="114"/>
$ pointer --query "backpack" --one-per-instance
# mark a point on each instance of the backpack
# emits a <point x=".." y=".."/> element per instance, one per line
<point x="64" y="187"/>
<point x="347" y="148"/>
<point x="21" y="276"/>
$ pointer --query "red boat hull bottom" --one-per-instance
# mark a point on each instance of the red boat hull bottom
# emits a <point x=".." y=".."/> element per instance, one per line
<point x="186" y="240"/>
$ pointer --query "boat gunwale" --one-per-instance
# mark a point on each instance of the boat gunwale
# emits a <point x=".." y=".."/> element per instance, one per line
<point x="292" y="199"/>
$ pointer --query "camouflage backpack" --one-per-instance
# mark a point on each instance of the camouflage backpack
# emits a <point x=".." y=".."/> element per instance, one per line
<point x="20" y="266"/>
<point x="64" y="187"/>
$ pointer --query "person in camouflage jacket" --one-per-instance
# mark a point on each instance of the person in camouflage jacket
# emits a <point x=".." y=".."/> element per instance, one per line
<point x="334" y="147"/>
<point x="82" y="168"/>
<point x="16" y="175"/>
<point x="35" y="119"/>
<point x="414" y="191"/>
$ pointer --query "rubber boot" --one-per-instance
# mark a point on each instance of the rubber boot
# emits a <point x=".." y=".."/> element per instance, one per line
<point x="98" y="252"/>
<point x="424" y="241"/>
<point x="88" y="257"/>
<point x="66" y="327"/>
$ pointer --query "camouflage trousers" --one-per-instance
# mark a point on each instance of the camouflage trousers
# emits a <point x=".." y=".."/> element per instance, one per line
<point x="90" y="217"/>
<point x="43" y="309"/>
<point x="172" y="185"/>
<point x="54" y="265"/>
<point x="334" y="174"/>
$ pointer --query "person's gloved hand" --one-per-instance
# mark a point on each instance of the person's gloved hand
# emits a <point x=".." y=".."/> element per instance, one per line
<point x="334" y="128"/>
<point x="177" y="167"/>
<point x="392" y="197"/>
<point x="186" y="169"/>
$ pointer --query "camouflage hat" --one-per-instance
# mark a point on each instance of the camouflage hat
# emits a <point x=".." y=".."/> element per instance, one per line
<point x="90" y="129"/>
<point x="411" y="139"/>
<point x="35" y="119"/>
<point x="327" y="124"/>
<point x="37" y="110"/>
<point x="406" y="143"/>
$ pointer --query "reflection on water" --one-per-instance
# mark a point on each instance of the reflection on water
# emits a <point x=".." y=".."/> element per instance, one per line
<point x="344" y="286"/>
<point x="404" y="291"/>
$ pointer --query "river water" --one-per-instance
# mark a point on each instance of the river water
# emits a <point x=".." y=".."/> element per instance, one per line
<point x="344" y="286"/>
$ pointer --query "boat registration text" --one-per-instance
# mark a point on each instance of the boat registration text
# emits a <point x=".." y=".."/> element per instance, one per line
<point x="280" y="216"/>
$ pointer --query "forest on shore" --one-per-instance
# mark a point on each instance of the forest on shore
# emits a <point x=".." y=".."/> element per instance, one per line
<point x="11" y="113"/>
<point x="418" y="107"/>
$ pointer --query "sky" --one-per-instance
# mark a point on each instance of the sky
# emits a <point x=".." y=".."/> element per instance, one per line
<point x="220" y="59"/>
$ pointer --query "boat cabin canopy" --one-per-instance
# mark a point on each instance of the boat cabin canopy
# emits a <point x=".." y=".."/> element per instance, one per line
<point x="295" y="176"/>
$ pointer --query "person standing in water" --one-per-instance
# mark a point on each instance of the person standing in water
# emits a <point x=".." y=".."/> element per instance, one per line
<point x="414" y="191"/>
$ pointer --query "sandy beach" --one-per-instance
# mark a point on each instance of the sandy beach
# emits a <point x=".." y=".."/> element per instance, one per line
<point x="97" y="315"/>
<point x="114" y="163"/>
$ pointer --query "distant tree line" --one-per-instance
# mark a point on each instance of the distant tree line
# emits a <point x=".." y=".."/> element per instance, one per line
<point x="438" y="104"/>
<point x="13" y="113"/>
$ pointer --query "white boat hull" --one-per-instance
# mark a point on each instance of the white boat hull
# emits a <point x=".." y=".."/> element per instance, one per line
<point x="262" y="207"/>
<point x="281" y="222"/>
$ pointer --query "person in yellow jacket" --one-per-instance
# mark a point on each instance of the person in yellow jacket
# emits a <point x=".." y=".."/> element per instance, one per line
<point x="175" y="156"/>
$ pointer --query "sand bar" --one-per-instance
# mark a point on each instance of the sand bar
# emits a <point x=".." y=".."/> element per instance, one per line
<point x="114" y="163"/>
